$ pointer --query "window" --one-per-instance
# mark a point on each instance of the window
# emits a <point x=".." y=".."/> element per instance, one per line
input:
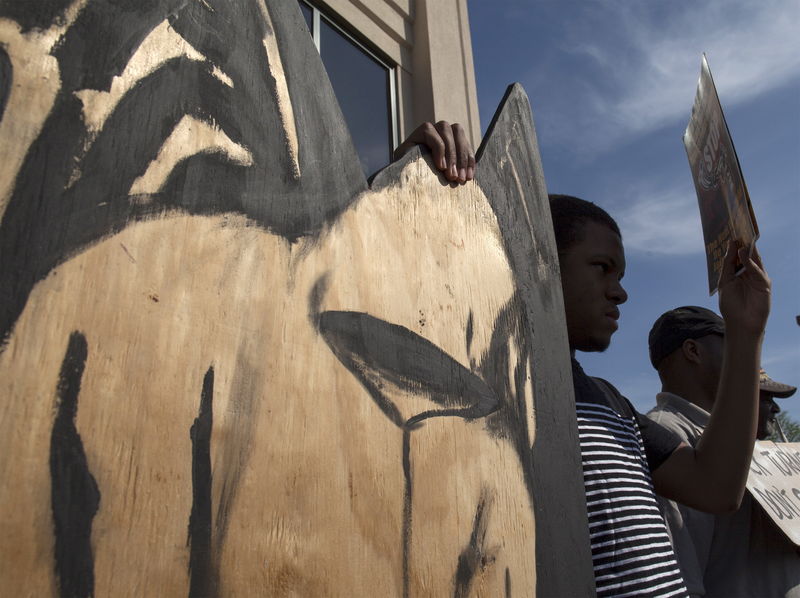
<point x="363" y="83"/>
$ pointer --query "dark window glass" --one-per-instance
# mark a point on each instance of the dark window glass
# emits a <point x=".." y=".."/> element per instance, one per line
<point x="362" y="87"/>
<point x="308" y="14"/>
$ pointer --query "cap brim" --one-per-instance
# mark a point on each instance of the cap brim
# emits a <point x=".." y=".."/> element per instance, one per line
<point x="777" y="389"/>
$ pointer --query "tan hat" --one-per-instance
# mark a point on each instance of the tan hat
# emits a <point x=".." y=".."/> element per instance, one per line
<point x="776" y="389"/>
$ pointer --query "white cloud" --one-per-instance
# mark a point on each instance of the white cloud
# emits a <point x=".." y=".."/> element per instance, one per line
<point x="752" y="47"/>
<point x="662" y="222"/>
<point x="640" y="62"/>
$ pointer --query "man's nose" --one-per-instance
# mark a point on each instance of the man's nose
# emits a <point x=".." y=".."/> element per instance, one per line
<point x="617" y="293"/>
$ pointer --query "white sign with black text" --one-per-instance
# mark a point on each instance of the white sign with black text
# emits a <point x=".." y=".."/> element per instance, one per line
<point x="774" y="481"/>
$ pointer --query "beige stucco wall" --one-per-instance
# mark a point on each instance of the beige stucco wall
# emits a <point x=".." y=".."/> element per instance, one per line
<point x="430" y="43"/>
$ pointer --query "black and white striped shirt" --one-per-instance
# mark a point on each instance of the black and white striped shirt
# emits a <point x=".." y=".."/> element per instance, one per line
<point x="631" y="550"/>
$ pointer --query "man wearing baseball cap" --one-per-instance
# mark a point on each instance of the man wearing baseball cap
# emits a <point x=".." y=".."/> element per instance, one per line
<point x="738" y="554"/>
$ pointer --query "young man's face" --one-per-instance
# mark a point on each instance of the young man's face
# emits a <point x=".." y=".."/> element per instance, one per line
<point x="591" y="271"/>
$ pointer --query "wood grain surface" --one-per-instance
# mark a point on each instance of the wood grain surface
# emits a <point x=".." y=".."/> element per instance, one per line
<point x="230" y="367"/>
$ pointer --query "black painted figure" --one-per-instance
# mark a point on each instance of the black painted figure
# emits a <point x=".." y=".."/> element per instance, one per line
<point x="269" y="377"/>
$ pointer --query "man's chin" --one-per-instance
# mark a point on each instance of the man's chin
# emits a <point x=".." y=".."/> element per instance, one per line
<point x="770" y="429"/>
<point x="594" y="345"/>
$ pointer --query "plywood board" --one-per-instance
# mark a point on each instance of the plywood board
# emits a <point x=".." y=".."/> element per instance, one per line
<point x="229" y="367"/>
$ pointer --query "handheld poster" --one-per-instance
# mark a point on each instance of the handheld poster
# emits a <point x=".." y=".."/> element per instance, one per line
<point x="725" y="208"/>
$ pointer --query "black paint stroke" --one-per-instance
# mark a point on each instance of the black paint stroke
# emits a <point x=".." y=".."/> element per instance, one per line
<point x="470" y="331"/>
<point x="475" y="556"/>
<point x="75" y="497"/>
<point x="72" y="190"/>
<point x="6" y="79"/>
<point x="381" y="354"/>
<point x="407" y="509"/>
<point x="509" y="422"/>
<point x="41" y="14"/>
<point x="234" y="454"/>
<point x="202" y="577"/>
<point x="104" y="37"/>
<point x="315" y="298"/>
<point x="508" y="583"/>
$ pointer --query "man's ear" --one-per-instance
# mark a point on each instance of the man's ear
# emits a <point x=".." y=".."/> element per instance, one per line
<point x="691" y="350"/>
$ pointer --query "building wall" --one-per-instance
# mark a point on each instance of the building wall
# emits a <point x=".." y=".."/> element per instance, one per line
<point x="430" y="43"/>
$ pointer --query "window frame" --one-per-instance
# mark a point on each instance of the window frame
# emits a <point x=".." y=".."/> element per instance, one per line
<point x="317" y="16"/>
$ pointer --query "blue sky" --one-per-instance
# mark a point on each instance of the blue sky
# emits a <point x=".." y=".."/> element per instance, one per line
<point x="611" y="85"/>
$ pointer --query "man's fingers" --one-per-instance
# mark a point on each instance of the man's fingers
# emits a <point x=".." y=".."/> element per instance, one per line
<point x="465" y="157"/>
<point x="729" y="261"/>
<point x="427" y="135"/>
<point x="449" y="145"/>
<point x="756" y="274"/>
<point x="753" y="262"/>
<point x="753" y="266"/>
<point x="445" y="131"/>
<point x="728" y="264"/>
<point x="752" y="269"/>
<point x="756" y="256"/>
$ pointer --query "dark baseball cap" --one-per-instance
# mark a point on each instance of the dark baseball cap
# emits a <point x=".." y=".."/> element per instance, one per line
<point x="679" y="324"/>
<point x="776" y="389"/>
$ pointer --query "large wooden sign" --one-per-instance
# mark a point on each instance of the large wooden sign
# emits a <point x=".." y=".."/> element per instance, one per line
<point x="229" y="367"/>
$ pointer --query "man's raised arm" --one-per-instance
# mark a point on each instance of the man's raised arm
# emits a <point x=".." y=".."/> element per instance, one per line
<point x="712" y="476"/>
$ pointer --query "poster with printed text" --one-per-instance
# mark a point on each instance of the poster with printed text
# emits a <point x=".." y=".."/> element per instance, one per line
<point x="725" y="208"/>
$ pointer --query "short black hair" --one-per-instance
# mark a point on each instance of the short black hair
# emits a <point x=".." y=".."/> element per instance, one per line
<point x="570" y="214"/>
